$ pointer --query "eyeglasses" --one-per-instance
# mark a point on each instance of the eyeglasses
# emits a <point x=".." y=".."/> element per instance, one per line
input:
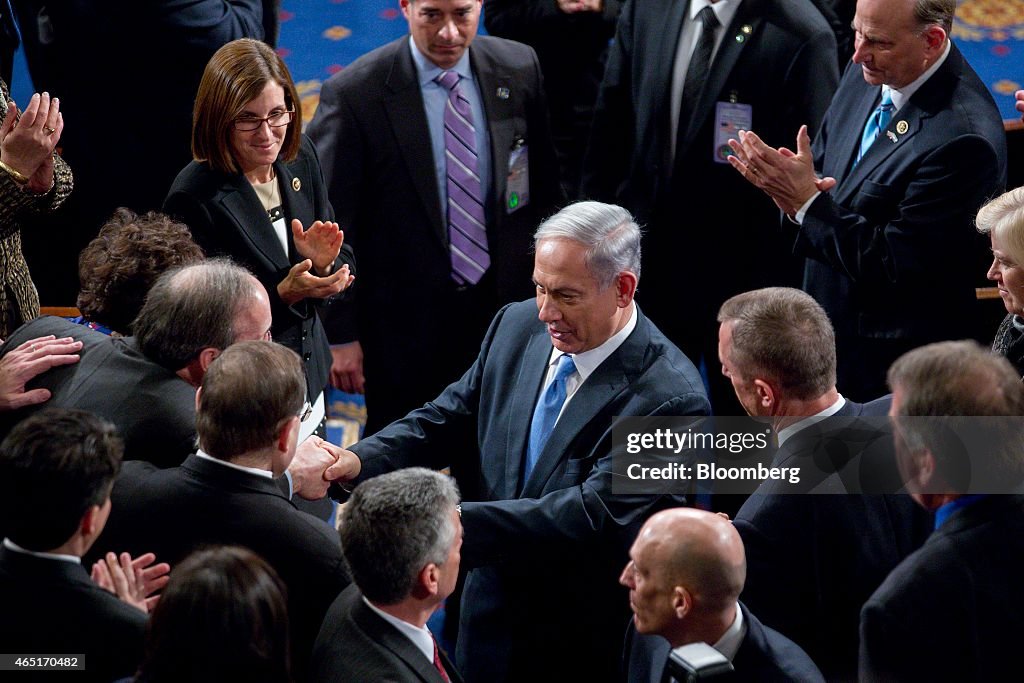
<point x="275" y="120"/>
<point x="307" y="410"/>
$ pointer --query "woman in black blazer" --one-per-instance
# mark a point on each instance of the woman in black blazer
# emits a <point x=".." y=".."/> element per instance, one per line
<point x="255" y="193"/>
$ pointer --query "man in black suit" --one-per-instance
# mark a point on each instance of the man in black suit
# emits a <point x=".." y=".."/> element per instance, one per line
<point x="912" y="146"/>
<point x="814" y="559"/>
<point x="56" y="470"/>
<point x="545" y="532"/>
<point x="571" y="39"/>
<point x="954" y="610"/>
<point x="408" y="209"/>
<point x="248" y="414"/>
<point x="657" y="148"/>
<point x="401" y="535"/>
<point x="684" y="576"/>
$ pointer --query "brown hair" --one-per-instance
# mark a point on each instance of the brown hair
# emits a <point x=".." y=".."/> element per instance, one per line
<point x="234" y="76"/>
<point x="117" y="268"/>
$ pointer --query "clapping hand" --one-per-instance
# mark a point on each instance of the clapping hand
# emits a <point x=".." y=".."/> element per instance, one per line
<point x="320" y="244"/>
<point x="27" y="143"/>
<point x="132" y="581"/>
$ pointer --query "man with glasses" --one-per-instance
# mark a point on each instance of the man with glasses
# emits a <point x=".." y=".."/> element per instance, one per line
<point x="248" y="416"/>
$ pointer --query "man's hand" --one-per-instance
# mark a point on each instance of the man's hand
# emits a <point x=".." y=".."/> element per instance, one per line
<point x="345" y="469"/>
<point x="133" y="581"/>
<point x="301" y="284"/>
<point x="347" y="368"/>
<point x="28" y="360"/>
<point x="576" y="6"/>
<point x="308" y="467"/>
<point x="320" y="244"/>
<point x="787" y="177"/>
<point x="1020" y="103"/>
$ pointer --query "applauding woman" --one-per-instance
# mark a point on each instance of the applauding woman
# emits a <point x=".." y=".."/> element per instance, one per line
<point x="255" y="193"/>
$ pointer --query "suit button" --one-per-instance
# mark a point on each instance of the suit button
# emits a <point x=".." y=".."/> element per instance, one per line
<point x="305" y="356"/>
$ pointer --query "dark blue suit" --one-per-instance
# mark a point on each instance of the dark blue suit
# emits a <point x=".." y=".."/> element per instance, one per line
<point x="765" y="655"/>
<point x="954" y="610"/>
<point x="814" y="559"/>
<point x="892" y="253"/>
<point x="541" y="600"/>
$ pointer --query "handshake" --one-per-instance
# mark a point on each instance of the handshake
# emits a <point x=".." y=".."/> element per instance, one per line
<point x="319" y="467"/>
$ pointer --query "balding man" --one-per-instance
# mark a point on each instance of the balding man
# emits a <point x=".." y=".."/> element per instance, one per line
<point x="813" y="560"/>
<point x="954" y="610"/>
<point x="686" y="571"/>
<point x="911" y="147"/>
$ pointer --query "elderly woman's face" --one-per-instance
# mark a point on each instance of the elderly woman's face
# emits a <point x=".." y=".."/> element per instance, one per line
<point x="256" y="150"/>
<point x="1008" y="276"/>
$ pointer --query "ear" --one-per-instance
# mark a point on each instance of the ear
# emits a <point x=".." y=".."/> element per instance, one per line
<point x="924" y="469"/>
<point x="765" y="393"/>
<point x="199" y="391"/>
<point x="935" y="40"/>
<point x="427" y="582"/>
<point x="406" y="9"/>
<point x="285" y="433"/>
<point x="206" y="357"/>
<point x="682" y="602"/>
<point x="93" y="520"/>
<point x="625" y="288"/>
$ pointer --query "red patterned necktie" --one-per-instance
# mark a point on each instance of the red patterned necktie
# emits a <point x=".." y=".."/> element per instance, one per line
<point x="437" y="663"/>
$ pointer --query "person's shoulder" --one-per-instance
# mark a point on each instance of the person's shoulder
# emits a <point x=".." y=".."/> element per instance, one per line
<point x="196" y="179"/>
<point x="772" y="656"/>
<point x="801" y="20"/>
<point x="58" y="327"/>
<point x="371" y="68"/>
<point x="508" y="53"/>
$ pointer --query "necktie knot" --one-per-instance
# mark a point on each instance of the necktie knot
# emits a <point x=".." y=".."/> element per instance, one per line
<point x="566" y="366"/>
<point x="545" y="413"/>
<point x="708" y="18"/>
<point x="448" y="79"/>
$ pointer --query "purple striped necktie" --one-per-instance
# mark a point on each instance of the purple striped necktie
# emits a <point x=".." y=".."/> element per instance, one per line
<point x="467" y="226"/>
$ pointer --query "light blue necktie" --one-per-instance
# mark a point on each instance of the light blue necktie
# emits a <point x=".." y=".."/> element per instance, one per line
<point x="877" y="122"/>
<point x="546" y="412"/>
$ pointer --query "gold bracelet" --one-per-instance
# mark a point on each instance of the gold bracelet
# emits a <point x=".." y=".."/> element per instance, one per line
<point x="18" y="176"/>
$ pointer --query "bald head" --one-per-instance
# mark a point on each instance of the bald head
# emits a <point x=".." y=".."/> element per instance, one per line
<point x="685" y="576"/>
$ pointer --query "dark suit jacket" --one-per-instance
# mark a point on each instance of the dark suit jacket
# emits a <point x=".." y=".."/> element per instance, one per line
<point x="765" y="655"/>
<point x="371" y="131"/>
<point x="52" y="607"/>
<point x="778" y="56"/>
<point x="545" y="553"/>
<point x="813" y="559"/>
<point x="904" y="213"/>
<point x="572" y="49"/>
<point x="152" y="408"/>
<point x="954" y="610"/>
<point x="356" y="645"/>
<point x="174" y="512"/>
<point x="227" y="219"/>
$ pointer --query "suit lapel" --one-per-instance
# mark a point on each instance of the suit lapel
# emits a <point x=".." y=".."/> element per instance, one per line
<point x="676" y="14"/>
<point x="729" y="51"/>
<point x="491" y="76"/>
<point x="850" y="128"/>
<point x="604" y="384"/>
<point x="524" y="397"/>
<point x="387" y="636"/>
<point x="296" y="203"/>
<point x="404" y="106"/>
<point x="241" y="203"/>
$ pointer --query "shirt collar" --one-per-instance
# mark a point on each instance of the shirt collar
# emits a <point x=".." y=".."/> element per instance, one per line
<point x="724" y="10"/>
<point x="729" y="643"/>
<point x="588" y="361"/>
<point x="11" y="545"/>
<point x="946" y="511"/>
<point x="419" y="635"/>
<point x="251" y="470"/>
<point x="903" y="95"/>
<point x="427" y="71"/>
<point x="788" y="432"/>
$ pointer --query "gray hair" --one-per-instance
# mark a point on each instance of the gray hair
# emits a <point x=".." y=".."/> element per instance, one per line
<point x="393" y="526"/>
<point x="782" y="335"/>
<point x="953" y="383"/>
<point x="1004" y="216"/>
<point x="192" y="308"/>
<point x="609" y="233"/>
<point x="935" y="13"/>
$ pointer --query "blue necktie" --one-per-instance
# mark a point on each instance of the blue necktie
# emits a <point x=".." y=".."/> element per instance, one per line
<point x="546" y="412"/>
<point x="877" y="122"/>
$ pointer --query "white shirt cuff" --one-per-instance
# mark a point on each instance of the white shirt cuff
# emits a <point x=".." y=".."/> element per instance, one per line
<point x="802" y="212"/>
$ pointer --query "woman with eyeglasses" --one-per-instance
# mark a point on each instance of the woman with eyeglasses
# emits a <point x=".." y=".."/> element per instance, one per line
<point x="255" y="193"/>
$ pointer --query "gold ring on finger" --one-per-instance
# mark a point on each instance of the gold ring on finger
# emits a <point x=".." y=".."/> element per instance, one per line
<point x="49" y="131"/>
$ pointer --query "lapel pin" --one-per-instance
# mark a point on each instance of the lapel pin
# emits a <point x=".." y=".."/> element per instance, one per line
<point x="502" y="93"/>
<point x="902" y="127"/>
<point x="296" y="184"/>
<point x="740" y="38"/>
<point x="747" y="29"/>
<point x="892" y="136"/>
